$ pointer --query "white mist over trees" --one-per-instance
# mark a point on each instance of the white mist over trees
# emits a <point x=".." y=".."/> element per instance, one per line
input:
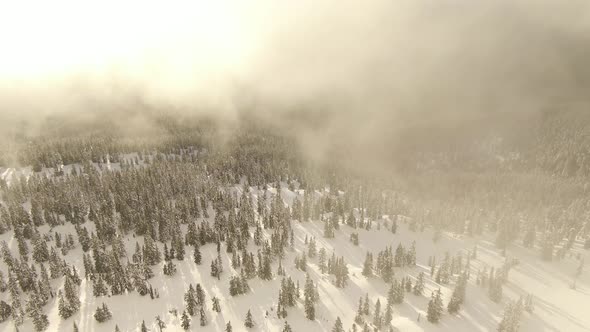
<point x="312" y="165"/>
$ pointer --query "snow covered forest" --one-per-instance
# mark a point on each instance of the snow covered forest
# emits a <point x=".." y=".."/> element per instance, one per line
<point x="295" y="166"/>
<point x="197" y="229"/>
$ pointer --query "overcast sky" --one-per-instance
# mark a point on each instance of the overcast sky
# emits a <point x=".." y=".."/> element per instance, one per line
<point x="370" y="58"/>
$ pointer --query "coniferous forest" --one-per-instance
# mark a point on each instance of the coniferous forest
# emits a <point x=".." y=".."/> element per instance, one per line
<point x="197" y="229"/>
<point x="295" y="166"/>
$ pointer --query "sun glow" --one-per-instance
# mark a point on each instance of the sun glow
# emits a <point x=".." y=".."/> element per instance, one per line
<point x="40" y="39"/>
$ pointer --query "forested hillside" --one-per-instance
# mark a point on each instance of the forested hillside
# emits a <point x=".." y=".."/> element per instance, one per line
<point x="200" y="225"/>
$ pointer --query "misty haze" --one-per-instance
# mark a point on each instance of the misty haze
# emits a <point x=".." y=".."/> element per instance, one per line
<point x="292" y="166"/>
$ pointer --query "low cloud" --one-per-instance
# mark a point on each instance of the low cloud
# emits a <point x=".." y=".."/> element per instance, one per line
<point x="370" y="71"/>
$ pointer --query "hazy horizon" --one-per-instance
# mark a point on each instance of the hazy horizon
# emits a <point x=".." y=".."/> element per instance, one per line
<point x="375" y="57"/>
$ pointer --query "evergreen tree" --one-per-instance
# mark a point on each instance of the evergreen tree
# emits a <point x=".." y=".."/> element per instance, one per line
<point x="70" y="293"/>
<point x="411" y="255"/>
<point x="280" y="269"/>
<point x="309" y="298"/>
<point x="435" y="307"/>
<point x="185" y="321"/>
<point x="197" y="255"/>
<point x="388" y="316"/>
<point x="100" y="287"/>
<point x="511" y="320"/>
<point x="354" y="238"/>
<point x="64" y="308"/>
<point x="200" y="295"/>
<point x="408" y="285"/>
<point x="312" y="251"/>
<point x="377" y="314"/>
<point x="151" y="253"/>
<point x="338" y="326"/>
<point x="203" y="317"/>
<point x="249" y="322"/>
<point x="400" y="256"/>
<point x="4" y="285"/>
<point x="190" y="301"/>
<point x="368" y="265"/>
<point x="5" y="311"/>
<point x="266" y="271"/>
<point x="459" y="292"/>
<point x="287" y="327"/>
<point x="228" y="327"/>
<point x="178" y="247"/>
<point x="44" y="286"/>
<point x="367" y="305"/>
<point x="397" y="291"/>
<point x="40" y="250"/>
<point x="322" y="261"/>
<point x="216" y="305"/>
<point x="215" y="272"/>
<point x="328" y="229"/>
<point x="281" y="310"/>
<point x="40" y="322"/>
<point x="359" y="313"/>
<point x="169" y="268"/>
<point x="102" y="313"/>
<point x="17" y="310"/>
<point x="454" y="304"/>
<point x="495" y="290"/>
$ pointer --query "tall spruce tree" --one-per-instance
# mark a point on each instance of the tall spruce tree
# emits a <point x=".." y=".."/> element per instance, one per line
<point x="309" y="298"/>
<point x="185" y="320"/>
<point x="435" y="307"/>
<point x="511" y="320"/>
<point x="203" y="317"/>
<point x="377" y="319"/>
<point x="249" y="322"/>
<point x="338" y="326"/>
<point x="197" y="255"/>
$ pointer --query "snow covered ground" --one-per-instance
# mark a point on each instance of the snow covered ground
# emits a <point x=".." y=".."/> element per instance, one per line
<point x="558" y="307"/>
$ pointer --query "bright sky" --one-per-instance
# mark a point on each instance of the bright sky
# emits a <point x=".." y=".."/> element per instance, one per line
<point x="45" y="38"/>
<point x="59" y="54"/>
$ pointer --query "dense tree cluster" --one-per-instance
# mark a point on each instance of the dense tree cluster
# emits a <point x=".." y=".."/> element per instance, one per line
<point x="178" y="196"/>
